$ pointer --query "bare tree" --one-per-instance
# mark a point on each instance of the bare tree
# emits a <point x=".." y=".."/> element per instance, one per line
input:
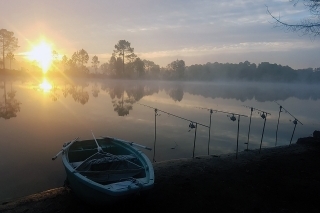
<point x="309" y="25"/>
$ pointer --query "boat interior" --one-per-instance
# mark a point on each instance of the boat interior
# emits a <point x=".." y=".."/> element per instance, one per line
<point x="80" y="152"/>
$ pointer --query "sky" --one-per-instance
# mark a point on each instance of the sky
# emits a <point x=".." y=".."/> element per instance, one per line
<point x="196" y="31"/>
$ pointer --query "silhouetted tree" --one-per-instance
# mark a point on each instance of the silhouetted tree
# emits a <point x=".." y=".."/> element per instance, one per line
<point x="55" y="60"/>
<point x="95" y="63"/>
<point x="75" y="58"/>
<point x="115" y="66"/>
<point x="151" y="69"/>
<point x="64" y="61"/>
<point x="105" y="68"/>
<point x="8" y="43"/>
<point x="10" y="56"/>
<point x="80" y="58"/>
<point x="123" y="49"/>
<point x="139" y="67"/>
<point x="72" y="65"/>
<point x="176" y="69"/>
<point x="55" y="55"/>
<point x="83" y="57"/>
<point x="309" y="25"/>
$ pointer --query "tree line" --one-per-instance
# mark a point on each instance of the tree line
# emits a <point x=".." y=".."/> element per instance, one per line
<point x="246" y="71"/>
<point x="125" y="64"/>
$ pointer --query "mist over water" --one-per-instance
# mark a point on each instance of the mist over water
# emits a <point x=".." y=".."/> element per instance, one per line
<point x="39" y="115"/>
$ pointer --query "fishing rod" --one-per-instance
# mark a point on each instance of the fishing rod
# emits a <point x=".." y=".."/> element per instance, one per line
<point x="280" y="110"/>
<point x="288" y="112"/>
<point x="232" y="118"/>
<point x="295" y="122"/>
<point x="173" y="115"/>
<point x="192" y="125"/>
<point x="231" y="113"/>
<point x="263" y="116"/>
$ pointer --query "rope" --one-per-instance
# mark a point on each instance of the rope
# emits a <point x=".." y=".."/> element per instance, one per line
<point x="133" y="181"/>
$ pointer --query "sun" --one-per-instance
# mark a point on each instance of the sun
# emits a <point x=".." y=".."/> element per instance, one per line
<point x="42" y="54"/>
<point x="45" y="86"/>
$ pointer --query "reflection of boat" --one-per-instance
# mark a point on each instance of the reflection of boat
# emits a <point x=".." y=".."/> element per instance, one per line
<point x="106" y="170"/>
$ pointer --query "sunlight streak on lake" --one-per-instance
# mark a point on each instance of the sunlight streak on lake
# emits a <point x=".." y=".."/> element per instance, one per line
<point x="45" y="86"/>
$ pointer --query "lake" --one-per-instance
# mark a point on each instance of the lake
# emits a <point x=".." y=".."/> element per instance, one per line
<point x="38" y="115"/>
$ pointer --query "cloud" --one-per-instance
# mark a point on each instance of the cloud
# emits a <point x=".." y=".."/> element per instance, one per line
<point x="161" y="29"/>
<point x="246" y="47"/>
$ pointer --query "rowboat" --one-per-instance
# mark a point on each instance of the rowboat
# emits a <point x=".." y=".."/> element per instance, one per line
<point x="103" y="171"/>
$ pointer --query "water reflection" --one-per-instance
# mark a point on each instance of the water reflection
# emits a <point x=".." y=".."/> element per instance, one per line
<point x="124" y="94"/>
<point x="48" y="88"/>
<point x="261" y="92"/>
<point x="176" y="92"/>
<point x="76" y="90"/>
<point x="79" y="94"/>
<point x="73" y="108"/>
<point x="9" y="105"/>
<point x="95" y="90"/>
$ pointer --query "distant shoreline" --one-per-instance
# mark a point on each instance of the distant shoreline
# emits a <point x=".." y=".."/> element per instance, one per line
<point x="209" y="72"/>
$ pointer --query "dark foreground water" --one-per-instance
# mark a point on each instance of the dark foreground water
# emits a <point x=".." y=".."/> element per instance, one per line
<point x="39" y="115"/>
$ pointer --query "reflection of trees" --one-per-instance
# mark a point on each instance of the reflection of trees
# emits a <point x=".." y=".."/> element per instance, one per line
<point x="227" y="90"/>
<point x="10" y="106"/>
<point x="54" y="93"/>
<point x="65" y="90"/>
<point x="116" y="91"/>
<point x="77" y="92"/>
<point x="120" y="104"/>
<point x="176" y="93"/>
<point x="123" y="106"/>
<point x="134" y="91"/>
<point x="259" y="91"/>
<point x="79" y="95"/>
<point x="95" y="90"/>
<point x="124" y="94"/>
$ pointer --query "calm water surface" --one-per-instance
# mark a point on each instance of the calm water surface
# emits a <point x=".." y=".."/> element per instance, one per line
<point x="39" y="115"/>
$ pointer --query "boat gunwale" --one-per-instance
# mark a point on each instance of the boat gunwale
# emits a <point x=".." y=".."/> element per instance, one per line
<point x="147" y="181"/>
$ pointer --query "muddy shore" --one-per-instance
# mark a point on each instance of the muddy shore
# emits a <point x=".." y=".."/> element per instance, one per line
<point x="280" y="179"/>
